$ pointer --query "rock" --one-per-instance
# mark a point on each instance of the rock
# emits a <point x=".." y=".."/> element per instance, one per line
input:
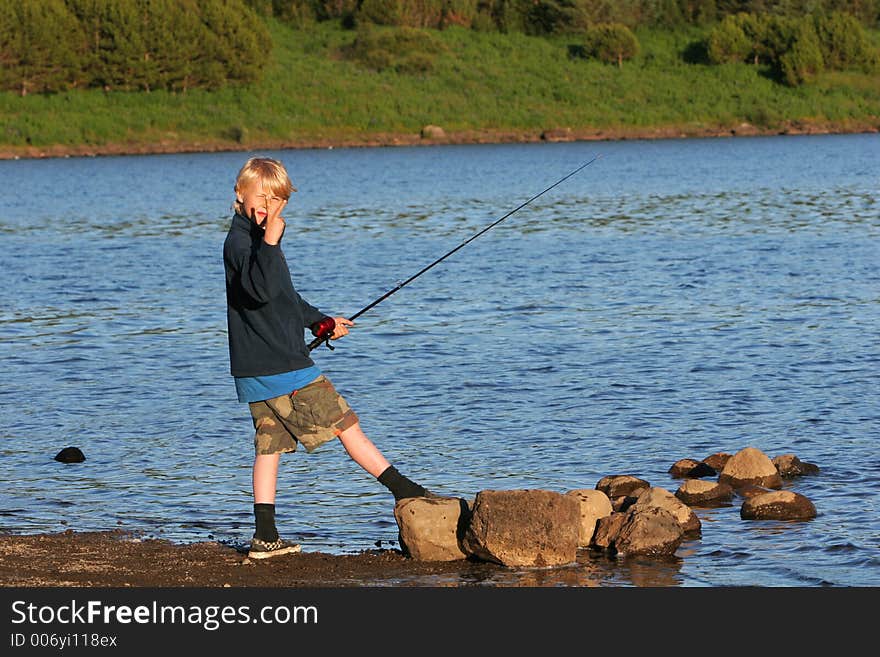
<point x="663" y="499"/>
<point x="70" y="455"/>
<point x="524" y="528"/>
<point x="750" y="490"/>
<point x="648" y="531"/>
<point x="431" y="529"/>
<point x="432" y="132"/>
<point x="789" y="465"/>
<point x="691" y="468"/>
<point x="696" y="492"/>
<point x="557" y="134"/>
<point x="607" y="529"/>
<point x="750" y="466"/>
<point x="618" y="485"/>
<point x="717" y="461"/>
<point x="778" y="505"/>
<point x="623" y="502"/>
<point x="594" y="504"/>
<point x="681" y="467"/>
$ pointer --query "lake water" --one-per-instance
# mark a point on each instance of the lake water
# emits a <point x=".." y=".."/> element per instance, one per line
<point x="673" y="299"/>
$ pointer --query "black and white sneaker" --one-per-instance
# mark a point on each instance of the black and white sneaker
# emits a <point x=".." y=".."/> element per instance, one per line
<point x="265" y="549"/>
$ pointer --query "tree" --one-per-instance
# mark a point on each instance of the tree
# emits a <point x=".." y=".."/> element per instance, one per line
<point x="727" y="42"/>
<point x="235" y="44"/>
<point x="556" y="16"/>
<point x="173" y="34"/>
<point x="611" y="43"/>
<point x="842" y="40"/>
<point x="40" y="46"/>
<point x="803" y="60"/>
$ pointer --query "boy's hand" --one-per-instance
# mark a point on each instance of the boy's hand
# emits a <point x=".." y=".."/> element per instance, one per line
<point x="274" y="224"/>
<point x="341" y="328"/>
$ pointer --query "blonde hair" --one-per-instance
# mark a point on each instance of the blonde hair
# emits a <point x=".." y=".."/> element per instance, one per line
<point x="271" y="173"/>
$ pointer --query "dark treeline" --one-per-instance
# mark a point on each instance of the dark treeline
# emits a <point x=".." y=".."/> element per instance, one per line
<point x="175" y="45"/>
<point x="796" y="48"/>
<point x="539" y="17"/>
<point x="796" y="40"/>
<point x="54" y="45"/>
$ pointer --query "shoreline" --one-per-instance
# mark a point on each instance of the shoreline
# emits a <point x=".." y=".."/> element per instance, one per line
<point x="463" y="137"/>
<point x="117" y="558"/>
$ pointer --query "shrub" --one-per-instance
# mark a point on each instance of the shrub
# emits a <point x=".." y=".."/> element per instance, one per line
<point x="748" y="37"/>
<point x="803" y="60"/>
<point x="611" y="42"/>
<point x="728" y="42"/>
<point x="843" y="41"/>
<point x="380" y="12"/>
<point x="418" y="13"/>
<point x="404" y="49"/>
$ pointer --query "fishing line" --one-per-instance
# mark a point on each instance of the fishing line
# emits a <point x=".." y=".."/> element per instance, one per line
<point x="324" y="329"/>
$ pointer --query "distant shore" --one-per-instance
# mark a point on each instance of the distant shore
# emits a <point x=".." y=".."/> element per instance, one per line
<point x="8" y="152"/>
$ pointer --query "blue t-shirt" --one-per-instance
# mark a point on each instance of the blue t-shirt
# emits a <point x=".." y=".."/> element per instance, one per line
<point x="259" y="388"/>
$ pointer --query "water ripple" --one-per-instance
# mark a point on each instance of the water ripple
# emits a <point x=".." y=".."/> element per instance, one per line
<point x="639" y="315"/>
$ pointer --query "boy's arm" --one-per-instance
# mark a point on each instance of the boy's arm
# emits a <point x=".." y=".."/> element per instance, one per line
<point x="274" y="230"/>
<point x="263" y="270"/>
<point x="310" y="313"/>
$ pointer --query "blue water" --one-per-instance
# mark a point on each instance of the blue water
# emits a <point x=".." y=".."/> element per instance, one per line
<point x="673" y="299"/>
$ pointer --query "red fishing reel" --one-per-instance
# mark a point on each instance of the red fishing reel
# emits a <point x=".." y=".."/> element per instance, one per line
<point x="322" y="330"/>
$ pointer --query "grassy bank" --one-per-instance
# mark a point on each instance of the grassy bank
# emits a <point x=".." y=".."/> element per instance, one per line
<point x="481" y="87"/>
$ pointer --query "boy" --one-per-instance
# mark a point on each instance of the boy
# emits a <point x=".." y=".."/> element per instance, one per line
<point x="291" y="402"/>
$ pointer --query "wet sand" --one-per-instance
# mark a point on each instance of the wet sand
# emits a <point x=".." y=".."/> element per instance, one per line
<point x="120" y="559"/>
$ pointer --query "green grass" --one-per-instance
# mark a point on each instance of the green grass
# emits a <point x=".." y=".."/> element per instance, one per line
<point x="480" y="81"/>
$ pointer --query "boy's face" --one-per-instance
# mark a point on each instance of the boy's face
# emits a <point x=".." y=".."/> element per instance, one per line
<point x="257" y="203"/>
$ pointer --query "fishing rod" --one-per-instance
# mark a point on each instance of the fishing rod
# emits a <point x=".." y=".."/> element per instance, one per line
<point x="324" y="329"/>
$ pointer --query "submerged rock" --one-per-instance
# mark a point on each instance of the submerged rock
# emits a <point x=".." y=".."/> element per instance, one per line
<point x="750" y="466"/>
<point x="751" y="490"/>
<point x="651" y="531"/>
<point x="692" y="469"/>
<point x="621" y="485"/>
<point x="70" y="455"/>
<point x="696" y="492"/>
<point x="778" y="505"/>
<point x="789" y="465"/>
<point x="607" y="529"/>
<point x="663" y="499"/>
<point x="718" y="460"/>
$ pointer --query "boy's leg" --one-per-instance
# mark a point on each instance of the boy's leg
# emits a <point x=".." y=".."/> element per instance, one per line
<point x="367" y="455"/>
<point x="265" y="478"/>
<point x="265" y="484"/>
<point x="270" y="441"/>
<point x="362" y="451"/>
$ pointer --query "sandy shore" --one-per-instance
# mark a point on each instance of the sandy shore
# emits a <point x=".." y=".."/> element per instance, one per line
<point x="8" y="152"/>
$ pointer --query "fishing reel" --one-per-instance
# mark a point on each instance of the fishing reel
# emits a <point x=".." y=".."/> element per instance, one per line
<point x="322" y="330"/>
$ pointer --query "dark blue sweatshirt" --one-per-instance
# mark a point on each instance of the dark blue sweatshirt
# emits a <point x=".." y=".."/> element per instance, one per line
<point x="266" y="316"/>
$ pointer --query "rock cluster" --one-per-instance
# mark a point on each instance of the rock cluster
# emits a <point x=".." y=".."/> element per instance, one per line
<point x="622" y="515"/>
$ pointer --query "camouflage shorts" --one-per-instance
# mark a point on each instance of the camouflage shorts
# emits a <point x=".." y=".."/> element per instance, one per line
<point x="311" y="415"/>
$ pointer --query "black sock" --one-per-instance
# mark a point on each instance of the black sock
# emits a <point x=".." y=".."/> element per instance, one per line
<point x="399" y="485"/>
<point x="265" y="516"/>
